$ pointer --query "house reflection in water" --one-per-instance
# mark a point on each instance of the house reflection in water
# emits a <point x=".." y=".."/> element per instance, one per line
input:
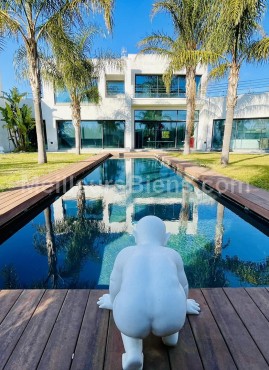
<point x="121" y="191"/>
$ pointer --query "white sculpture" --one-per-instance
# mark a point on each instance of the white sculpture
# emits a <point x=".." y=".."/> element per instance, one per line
<point x="148" y="291"/>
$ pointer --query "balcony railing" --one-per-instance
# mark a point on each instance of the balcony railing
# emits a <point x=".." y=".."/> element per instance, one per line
<point x="154" y="92"/>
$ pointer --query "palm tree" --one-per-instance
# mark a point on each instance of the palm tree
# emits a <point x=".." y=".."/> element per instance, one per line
<point x="233" y="37"/>
<point x="51" y="249"/>
<point x="192" y="23"/>
<point x="37" y="21"/>
<point x="219" y="230"/>
<point x="70" y="69"/>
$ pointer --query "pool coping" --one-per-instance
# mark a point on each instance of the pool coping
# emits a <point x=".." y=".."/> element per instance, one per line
<point x="248" y="197"/>
<point x="18" y="202"/>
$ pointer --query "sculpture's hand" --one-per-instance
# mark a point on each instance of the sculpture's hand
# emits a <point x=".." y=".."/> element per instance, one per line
<point x="105" y="302"/>
<point x="193" y="308"/>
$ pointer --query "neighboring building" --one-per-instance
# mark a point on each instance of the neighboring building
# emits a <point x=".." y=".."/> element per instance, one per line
<point x="135" y="112"/>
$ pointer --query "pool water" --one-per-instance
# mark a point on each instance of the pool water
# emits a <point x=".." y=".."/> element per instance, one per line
<point x="74" y="242"/>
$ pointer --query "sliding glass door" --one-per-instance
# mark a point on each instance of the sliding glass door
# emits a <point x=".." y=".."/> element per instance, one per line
<point x="94" y="134"/>
<point x="160" y="129"/>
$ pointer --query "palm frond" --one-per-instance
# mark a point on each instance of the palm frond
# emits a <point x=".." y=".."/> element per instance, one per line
<point x="259" y="50"/>
<point x="96" y="6"/>
<point x="20" y="63"/>
<point x="219" y="72"/>
<point x="157" y="39"/>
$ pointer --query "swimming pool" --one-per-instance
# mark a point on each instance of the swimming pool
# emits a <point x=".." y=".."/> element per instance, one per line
<point x="73" y="243"/>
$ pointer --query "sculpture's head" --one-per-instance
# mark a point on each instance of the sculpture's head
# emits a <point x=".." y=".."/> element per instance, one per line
<point x="151" y="230"/>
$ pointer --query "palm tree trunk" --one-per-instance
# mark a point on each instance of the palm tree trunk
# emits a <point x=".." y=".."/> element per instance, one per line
<point x="35" y="82"/>
<point x="185" y="206"/>
<point x="51" y="248"/>
<point x="76" y="118"/>
<point x="190" y="97"/>
<point x="219" y="229"/>
<point x="230" y="106"/>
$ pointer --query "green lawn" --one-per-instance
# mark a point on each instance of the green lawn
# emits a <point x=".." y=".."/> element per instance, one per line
<point x="250" y="168"/>
<point x="18" y="168"/>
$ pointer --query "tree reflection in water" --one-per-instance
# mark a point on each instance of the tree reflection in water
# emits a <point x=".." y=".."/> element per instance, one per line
<point x="72" y="237"/>
<point x="205" y="263"/>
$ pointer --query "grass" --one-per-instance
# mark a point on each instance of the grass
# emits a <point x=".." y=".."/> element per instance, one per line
<point x="250" y="168"/>
<point x="19" y="168"/>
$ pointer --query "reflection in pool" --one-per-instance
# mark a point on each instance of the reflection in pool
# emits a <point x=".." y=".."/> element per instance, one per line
<point x="74" y="242"/>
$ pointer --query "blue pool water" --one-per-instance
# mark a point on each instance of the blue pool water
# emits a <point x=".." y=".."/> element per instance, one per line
<point x="74" y="242"/>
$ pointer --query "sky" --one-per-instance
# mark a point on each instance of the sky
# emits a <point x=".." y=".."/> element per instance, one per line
<point x="131" y="23"/>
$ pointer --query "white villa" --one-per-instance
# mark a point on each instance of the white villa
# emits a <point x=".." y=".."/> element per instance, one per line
<point x="136" y="113"/>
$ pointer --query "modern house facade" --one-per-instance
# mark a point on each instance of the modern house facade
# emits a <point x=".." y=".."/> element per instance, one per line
<point x="136" y="113"/>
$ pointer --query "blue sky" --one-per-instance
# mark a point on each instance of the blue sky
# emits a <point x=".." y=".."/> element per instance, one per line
<point x="132" y="22"/>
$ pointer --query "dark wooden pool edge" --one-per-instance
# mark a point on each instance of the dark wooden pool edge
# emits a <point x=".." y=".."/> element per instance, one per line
<point x="17" y="203"/>
<point x="65" y="329"/>
<point x="250" y="199"/>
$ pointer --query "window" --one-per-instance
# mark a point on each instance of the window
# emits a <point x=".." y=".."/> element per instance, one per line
<point x="94" y="134"/>
<point x="63" y="96"/>
<point x="66" y="135"/>
<point x="114" y="88"/>
<point x="152" y="86"/>
<point x="160" y="128"/>
<point x="247" y="133"/>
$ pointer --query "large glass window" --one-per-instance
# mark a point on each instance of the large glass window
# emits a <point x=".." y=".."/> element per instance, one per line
<point x="66" y="135"/>
<point x="160" y="128"/>
<point x="152" y="86"/>
<point x="94" y="134"/>
<point x="114" y="88"/>
<point x="91" y="134"/>
<point x="63" y="96"/>
<point x="247" y="133"/>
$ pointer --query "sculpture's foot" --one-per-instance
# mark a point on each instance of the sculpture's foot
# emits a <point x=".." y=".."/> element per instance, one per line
<point x="132" y="361"/>
<point x="170" y="340"/>
<point x="193" y="308"/>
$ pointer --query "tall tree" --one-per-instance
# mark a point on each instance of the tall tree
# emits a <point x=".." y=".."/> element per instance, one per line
<point x="192" y="23"/>
<point x="34" y="22"/>
<point x="233" y="37"/>
<point x="70" y="69"/>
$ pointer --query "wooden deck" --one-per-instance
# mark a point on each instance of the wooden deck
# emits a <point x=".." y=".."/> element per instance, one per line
<point x="65" y="329"/>
<point x="247" y="196"/>
<point x="15" y="202"/>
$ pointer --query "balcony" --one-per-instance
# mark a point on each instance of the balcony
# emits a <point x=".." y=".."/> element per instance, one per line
<point x="157" y="92"/>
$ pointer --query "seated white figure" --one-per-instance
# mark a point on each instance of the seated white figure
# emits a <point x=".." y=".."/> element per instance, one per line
<point x="148" y="291"/>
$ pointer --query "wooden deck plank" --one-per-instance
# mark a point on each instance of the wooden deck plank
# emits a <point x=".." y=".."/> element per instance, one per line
<point x="185" y="355"/>
<point x="29" y="349"/>
<point x="252" y="317"/>
<point x="155" y="354"/>
<point x="212" y="347"/>
<point x="15" y="322"/>
<point x="114" y="347"/>
<point x="44" y="331"/>
<point x="7" y="300"/>
<point x="241" y="345"/>
<point x="261" y="298"/>
<point x="62" y="341"/>
<point x="91" y="344"/>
